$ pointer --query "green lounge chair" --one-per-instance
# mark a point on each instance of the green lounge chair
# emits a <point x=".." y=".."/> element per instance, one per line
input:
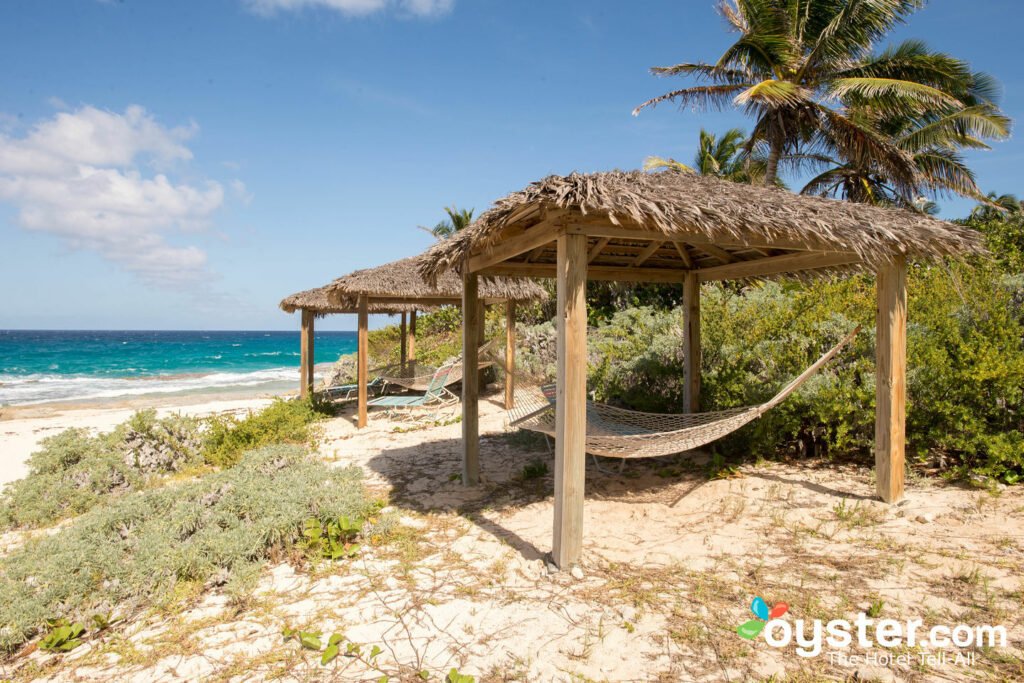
<point x="348" y="392"/>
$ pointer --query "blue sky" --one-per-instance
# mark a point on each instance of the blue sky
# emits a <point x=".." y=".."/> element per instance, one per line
<point x="186" y="164"/>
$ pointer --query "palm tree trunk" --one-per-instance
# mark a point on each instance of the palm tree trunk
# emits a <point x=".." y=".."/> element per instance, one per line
<point x="772" y="164"/>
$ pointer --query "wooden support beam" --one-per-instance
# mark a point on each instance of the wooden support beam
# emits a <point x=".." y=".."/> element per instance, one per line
<point x="596" y="250"/>
<point x="621" y="273"/>
<point x="420" y="300"/>
<point x="891" y="380"/>
<point x="403" y="336"/>
<point x="716" y="251"/>
<point x="646" y="253"/>
<point x="540" y="235"/>
<point x="412" y="336"/>
<point x="510" y="354"/>
<point x="684" y="254"/>
<point x="691" y="344"/>
<point x="776" y="264"/>
<point x="306" y="354"/>
<point x="571" y="407"/>
<point x="361" y="361"/>
<point x="535" y="253"/>
<point x="470" y="379"/>
<point x="595" y="228"/>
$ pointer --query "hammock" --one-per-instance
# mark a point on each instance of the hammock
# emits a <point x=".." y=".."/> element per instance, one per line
<point x="416" y="376"/>
<point x="620" y="433"/>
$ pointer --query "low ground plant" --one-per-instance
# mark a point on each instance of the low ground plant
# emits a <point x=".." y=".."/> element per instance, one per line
<point x="73" y="471"/>
<point x="146" y="547"/>
<point x="226" y="437"/>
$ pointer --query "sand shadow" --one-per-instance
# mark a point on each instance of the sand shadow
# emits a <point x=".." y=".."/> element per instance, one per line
<point x="813" y="486"/>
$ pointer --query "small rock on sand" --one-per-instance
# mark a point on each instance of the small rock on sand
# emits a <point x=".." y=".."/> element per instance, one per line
<point x="876" y="673"/>
<point x="577" y="573"/>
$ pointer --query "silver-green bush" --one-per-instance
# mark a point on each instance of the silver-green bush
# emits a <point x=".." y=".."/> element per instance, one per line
<point x="133" y="551"/>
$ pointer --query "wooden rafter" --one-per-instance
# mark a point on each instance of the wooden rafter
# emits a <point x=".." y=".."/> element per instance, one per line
<point x="683" y="254"/>
<point x="603" y="229"/>
<point x="646" y="253"/>
<point x="716" y="251"/>
<point x="596" y="250"/>
<point x="776" y="265"/>
<point x="623" y="273"/>
<point x="528" y="240"/>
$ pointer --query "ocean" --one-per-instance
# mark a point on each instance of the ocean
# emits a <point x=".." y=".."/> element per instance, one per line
<point x="42" y="366"/>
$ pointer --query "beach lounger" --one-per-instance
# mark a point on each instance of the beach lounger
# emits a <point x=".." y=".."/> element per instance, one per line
<point x="349" y="392"/>
<point x="436" y="396"/>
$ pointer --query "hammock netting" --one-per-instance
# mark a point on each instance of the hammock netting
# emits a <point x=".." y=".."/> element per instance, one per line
<point x="621" y="433"/>
<point x="416" y="376"/>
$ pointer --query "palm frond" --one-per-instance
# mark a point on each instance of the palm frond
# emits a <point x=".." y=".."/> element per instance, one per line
<point x="699" y="97"/>
<point x="660" y="164"/>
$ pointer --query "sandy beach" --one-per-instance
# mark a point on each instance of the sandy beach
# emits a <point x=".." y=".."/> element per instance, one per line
<point x="23" y="427"/>
<point x="671" y="561"/>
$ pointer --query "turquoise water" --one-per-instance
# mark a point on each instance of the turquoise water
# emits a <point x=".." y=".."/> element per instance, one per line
<point x="39" y="366"/>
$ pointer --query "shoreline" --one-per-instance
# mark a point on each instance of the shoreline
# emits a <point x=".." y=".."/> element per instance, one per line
<point x="269" y="386"/>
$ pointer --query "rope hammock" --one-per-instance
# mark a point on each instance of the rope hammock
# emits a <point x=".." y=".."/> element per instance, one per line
<point x="620" y="433"/>
<point x="416" y="376"/>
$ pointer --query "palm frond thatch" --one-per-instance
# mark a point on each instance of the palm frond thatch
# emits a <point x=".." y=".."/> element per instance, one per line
<point x="711" y="209"/>
<point x="402" y="279"/>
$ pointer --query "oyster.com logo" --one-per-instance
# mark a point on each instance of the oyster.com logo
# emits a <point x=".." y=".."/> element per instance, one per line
<point x="751" y="629"/>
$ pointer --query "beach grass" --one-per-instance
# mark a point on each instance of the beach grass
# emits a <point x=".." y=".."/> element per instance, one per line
<point x="154" y="545"/>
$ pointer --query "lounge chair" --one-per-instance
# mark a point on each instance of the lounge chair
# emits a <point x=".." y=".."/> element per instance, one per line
<point x="349" y="392"/>
<point x="436" y="396"/>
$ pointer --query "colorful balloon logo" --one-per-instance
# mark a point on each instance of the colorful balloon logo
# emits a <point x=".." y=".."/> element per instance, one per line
<point x="750" y="629"/>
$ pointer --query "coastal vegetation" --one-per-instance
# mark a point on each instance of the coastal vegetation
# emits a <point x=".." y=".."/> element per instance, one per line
<point x="172" y="542"/>
<point x="226" y="437"/>
<point x="74" y="471"/>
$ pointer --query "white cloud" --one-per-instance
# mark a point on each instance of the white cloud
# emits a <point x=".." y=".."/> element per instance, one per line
<point x="419" y="8"/>
<point x="82" y="176"/>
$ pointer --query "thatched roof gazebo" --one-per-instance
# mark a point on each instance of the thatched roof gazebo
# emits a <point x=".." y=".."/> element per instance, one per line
<point x="314" y="303"/>
<point x="400" y="283"/>
<point x="398" y="288"/>
<point x="685" y="228"/>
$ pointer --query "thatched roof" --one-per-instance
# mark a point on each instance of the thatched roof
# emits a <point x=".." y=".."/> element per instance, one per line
<point x="704" y="222"/>
<point x="401" y="280"/>
<point x="316" y="300"/>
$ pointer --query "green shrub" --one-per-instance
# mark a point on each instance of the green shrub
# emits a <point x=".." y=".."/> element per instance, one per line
<point x="134" y="552"/>
<point x="73" y="471"/>
<point x="965" y="363"/>
<point x="227" y="437"/>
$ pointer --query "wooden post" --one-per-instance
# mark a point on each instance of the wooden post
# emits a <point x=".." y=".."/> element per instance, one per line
<point x="306" y="354"/>
<point x="412" y="338"/>
<point x="470" y="379"/>
<point x="891" y="380"/>
<point x="691" y="343"/>
<point x="510" y="354"/>
<point x="571" y="409"/>
<point x="361" y="371"/>
<point x="402" y="335"/>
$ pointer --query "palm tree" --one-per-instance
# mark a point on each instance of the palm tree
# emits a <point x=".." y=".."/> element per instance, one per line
<point x="721" y="156"/>
<point x="997" y="205"/>
<point x="933" y="135"/>
<point x="458" y="219"/>
<point x="796" y="62"/>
